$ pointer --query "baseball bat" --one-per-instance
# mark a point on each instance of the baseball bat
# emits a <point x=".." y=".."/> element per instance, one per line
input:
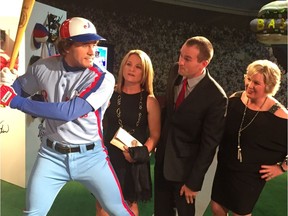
<point x="26" y="11"/>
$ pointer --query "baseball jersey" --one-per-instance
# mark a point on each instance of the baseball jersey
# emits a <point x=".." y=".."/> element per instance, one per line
<point x="70" y="93"/>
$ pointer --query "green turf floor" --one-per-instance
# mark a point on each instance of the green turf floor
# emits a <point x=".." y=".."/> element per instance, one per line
<point x="75" y="200"/>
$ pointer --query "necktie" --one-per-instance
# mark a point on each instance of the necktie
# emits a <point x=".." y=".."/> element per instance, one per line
<point x="181" y="95"/>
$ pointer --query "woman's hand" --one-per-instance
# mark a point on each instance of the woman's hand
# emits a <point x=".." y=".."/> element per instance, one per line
<point x="270" y="171"/>
<point x="127" y="155"/>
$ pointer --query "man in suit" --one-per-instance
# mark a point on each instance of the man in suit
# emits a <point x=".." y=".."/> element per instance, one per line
<point x="191" y="131"/>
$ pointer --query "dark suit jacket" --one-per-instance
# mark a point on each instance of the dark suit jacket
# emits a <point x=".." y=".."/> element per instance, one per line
<point x="191" y="134"/>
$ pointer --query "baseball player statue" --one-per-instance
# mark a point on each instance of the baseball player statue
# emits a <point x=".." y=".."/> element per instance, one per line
<point x="76" y="94"/>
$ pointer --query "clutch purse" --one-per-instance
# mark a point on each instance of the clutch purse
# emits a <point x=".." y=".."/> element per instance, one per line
<point x="123" y="138"/>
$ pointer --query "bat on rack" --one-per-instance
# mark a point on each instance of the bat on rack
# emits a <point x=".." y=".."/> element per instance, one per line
<point x="26" y="11"/>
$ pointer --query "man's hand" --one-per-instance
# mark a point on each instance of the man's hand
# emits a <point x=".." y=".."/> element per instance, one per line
<point x="7" y="93"/>
<point x="7" y="76"/>
<point x="188" y="193"/>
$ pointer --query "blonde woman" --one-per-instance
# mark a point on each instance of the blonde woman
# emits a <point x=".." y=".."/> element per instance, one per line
<point x="134" y="108"/>
<point x="254" y="144"/>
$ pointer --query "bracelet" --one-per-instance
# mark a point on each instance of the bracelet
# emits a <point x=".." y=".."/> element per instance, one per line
<point x="281" y="167"/>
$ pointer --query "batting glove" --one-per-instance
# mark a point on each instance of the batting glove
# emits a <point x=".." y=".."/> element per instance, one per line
<point x="7" y="76"/>
<point x="7" y="93"/>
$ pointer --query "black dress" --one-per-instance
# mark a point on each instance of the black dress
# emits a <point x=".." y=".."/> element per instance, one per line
<point x="134" y="189"/>
<point x="237" y="186"/>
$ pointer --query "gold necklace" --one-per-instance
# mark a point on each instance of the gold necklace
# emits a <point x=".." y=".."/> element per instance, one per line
<point x="118" y="112"/>
<point x="239" y="155"/>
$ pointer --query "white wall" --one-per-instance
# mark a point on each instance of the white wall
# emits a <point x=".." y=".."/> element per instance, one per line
<point x="204" y="196"/>
<point x="19" y="142"/>
<point x="12" y="122"/>
<point x="39" y="15"/>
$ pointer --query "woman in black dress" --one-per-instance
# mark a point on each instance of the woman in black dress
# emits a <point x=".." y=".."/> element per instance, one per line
<point x="254" y="144"/>
<point x="133" y="107"/>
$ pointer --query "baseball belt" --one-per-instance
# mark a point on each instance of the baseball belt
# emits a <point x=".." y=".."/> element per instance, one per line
<point x="64" y="149"/>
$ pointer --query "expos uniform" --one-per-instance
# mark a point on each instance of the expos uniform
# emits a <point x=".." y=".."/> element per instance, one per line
<point x="60" y="85"/>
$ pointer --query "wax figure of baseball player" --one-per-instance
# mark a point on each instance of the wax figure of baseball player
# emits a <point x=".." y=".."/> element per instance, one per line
<point x="76" y="94"/>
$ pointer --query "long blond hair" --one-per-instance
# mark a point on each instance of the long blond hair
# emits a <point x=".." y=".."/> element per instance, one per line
<point x="147" y="75"/>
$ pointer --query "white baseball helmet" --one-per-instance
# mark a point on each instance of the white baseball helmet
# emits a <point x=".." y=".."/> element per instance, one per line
<point x="79" y="30"/>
